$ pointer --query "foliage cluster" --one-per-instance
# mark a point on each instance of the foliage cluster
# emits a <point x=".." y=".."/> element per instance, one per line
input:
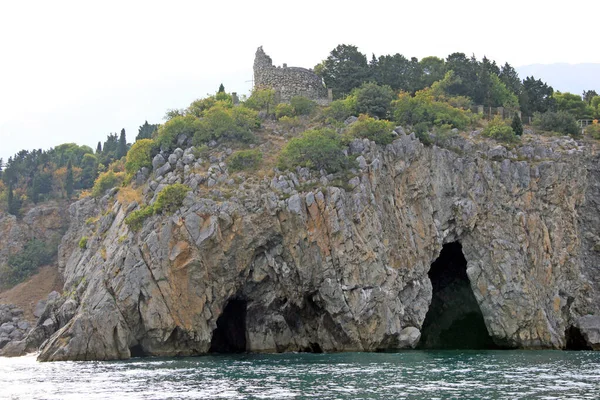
<point x="106" y="180"/>
<point x="379" y="131"/>
<point x="169" y="200"/>
<point x="594" y="131"/>
<point x="26" y="262"/>
<point x="424" y="108"/>
<point x="139" y="156"/>
<point x="316" y="149"/>
<point x="498" y="129"/>
<point x="245" y="160"/>
<point x="559" y="121"/>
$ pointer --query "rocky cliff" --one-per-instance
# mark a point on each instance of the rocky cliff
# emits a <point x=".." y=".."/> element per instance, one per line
<point x="294" y="263"/>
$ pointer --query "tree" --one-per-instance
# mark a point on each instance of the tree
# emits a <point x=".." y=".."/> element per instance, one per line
<point x="69" y="180"/>
<point x="588" y="95"/>
<point x="465" y="69"/>
<point x="261" y="99"/>
<point x="373" y="99"/>
<point x="221" y="88"/>
<point x="573" y="104"/>
<point x="509" y="76"/>
<point x="139" y="156"/>
<point x="536" y="96"/>
<point x="345" y="69"/>
<point x="433" y="69"/>
<point x="13" y="203"/>
<point x="517" y="125"/>
<point x="146" y="131"/>
<point x="99" y="148"/>
<point x="122" y="145"/>
<point x="316" y="149"/>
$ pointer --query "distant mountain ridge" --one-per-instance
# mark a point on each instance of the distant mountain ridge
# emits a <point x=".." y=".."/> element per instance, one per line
<point x="574" y="78"/>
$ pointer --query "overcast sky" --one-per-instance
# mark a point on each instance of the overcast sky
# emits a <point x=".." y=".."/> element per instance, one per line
<point x="74" y="71"/>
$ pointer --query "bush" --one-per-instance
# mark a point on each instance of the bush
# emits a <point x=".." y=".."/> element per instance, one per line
<point x="284" y="110"/>
<point x="339" y="110"/>
<point x="139" y="156"/>
<point x="517" y="125"/>
<point x="170" y="199"/>
<point x="561" y="122"/>
<point x="20" y="266"/>
<point x="179" y="125"/>
<point x="499" y="130"/>
<point x="245" y="159"/>
<point x="424" y="108"/>
<point x="106" y="180"/>
<point x="83" y="242"/>
<point x="302" y="106"/>
<point x="136" y="219"/>
<point x="316" y="149"/>
<point x="289" y="122"/>
<point x="594" y="131"/>
<point x="373" y="99"/>
<point x="261" y="99"/>
<point x="226" y="123"/>
<point x="379" y="131"/>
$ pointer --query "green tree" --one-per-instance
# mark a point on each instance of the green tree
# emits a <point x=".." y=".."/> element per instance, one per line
<point x="139" y="156"/>
<point x="556" y="121"/>
<point x="261" y="99"/>
<point x="168" y="133"/>
<point x="221" y="88"/>
<point x="122" y="146"/>
<point x="517" y="125"/>
<point x="373" y="99"/>
<point x="536" y="96"/>
<point x="302" y="105"/>
<point x="89" y="171"/>
<point x="146" y="131"/>
<point x="509" y="76"/>
<point x="588" y="95"/>
<point x="573" y="104"/>
<point x="344" y="69"/>
<point x="99" y="148"/>
<point x="379" y="131"/>
<point x="69" y="180"/>
<point x="433" y="69"/>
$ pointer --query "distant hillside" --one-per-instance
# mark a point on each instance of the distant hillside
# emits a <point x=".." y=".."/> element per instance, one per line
<point x="574" y="78"/>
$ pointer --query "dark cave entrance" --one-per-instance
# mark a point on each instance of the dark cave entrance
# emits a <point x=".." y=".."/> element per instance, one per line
<point x="575" y="340"/>
<point x="230" y="335"/>
<point x="454" y="320"/>
<point x="137" y="351"/>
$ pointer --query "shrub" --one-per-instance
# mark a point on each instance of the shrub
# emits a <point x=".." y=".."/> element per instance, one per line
<point x="499" y="130"/>
<point x="561" y="122"/>
<point x="289" y="122"/>
<point x="181" y="124"/>
<point x="261" y="99"/>
<point x="245" y="159"/>
<point x="316" y="149"/>
<point x="373" y="99"/>
<point x="139" y="156"/>
<point x="170" y="199"/>
<point x="20" y="266"/>
<point x="517" y="125"/>
<point x="594" y="131"/>
<point x="83" y="242"/>
<point x="136" y="219"/>
<point x="423" y="107"/>
<point x="106" y="180"/>
<point x="341" y="109"/>
<point x="284" y="110"/>
<point x="380" y="131"/>
<point x="226" y="123"/>
<point x="302" y="106"/>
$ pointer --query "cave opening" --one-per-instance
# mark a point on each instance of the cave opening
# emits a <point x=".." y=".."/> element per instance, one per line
<point x="575" y="339"/>
<point x="137" y="351"/>
<point x="454" y="320"/>
<point x="230" y="334"/>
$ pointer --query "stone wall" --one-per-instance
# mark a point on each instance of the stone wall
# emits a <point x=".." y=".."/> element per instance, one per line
<point x="287" y="81"/>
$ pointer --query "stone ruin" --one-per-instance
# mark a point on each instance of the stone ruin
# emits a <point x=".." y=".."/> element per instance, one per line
<point x="288" y="81"/>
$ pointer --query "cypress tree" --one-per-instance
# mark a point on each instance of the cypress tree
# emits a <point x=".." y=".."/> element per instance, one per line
<point x="69" y="180"/>
<point x="13" y="204"/>
<point x="517" y="125"/>
<point x="122" y="146"/>
<point x="221" y="88"/>
<point x="99" y="148"/>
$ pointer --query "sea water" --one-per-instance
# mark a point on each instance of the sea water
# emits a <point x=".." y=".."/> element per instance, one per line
<point x="402" y="375"/>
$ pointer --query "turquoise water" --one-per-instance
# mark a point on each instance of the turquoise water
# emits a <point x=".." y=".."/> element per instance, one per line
<point x="404" y="375"/>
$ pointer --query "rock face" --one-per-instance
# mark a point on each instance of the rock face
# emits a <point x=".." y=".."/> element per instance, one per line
<point x="335" y="270"/>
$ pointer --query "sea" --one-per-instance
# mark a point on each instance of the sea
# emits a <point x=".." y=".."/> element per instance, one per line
<point x="497" y="374"/>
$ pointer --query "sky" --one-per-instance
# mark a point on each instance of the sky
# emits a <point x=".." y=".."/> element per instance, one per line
<point x="75" y="71"/>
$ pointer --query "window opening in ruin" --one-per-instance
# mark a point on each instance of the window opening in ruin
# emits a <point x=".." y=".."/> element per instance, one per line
<point x="230" y="335"/>
<point x="454" y="320"/>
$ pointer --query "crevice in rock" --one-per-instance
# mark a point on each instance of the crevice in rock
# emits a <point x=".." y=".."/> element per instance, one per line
<point x="454" y="320"/>
<point x="575" y="340"/>
<point x="230" y="334"/>
<point x="137" y="351"/>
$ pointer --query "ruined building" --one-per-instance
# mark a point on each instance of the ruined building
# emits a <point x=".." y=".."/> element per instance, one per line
<point x="288" y="81"/>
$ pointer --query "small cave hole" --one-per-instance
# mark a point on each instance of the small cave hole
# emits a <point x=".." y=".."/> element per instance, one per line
<point x="137" y="351"/>
<point x="454" y="320"/>
<point x="230" y="335"/>
<point x="575" y="340"/>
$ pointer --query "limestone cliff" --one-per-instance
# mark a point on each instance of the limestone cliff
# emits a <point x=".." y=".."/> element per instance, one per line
<point x="271" y="266"/>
